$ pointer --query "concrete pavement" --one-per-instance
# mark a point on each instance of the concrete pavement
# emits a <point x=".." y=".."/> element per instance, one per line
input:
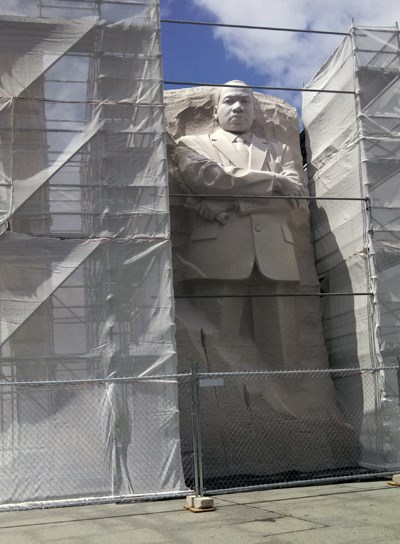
<point x="366" y="512"/>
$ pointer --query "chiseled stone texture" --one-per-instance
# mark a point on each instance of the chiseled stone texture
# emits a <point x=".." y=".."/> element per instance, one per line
<point x="190" y="111"/>
<point x="265" y="425"/>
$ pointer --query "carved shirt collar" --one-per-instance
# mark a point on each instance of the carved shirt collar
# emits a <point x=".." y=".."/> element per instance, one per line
<point x="232" y="137"/>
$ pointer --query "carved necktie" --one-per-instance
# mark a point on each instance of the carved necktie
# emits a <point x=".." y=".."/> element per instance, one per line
<point x="243" y="151"/>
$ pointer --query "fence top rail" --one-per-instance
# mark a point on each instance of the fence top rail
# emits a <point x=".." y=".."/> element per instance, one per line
<point x="94" y="381"/>
<point x="200" y="375"/>
<point x="297" y="372"/>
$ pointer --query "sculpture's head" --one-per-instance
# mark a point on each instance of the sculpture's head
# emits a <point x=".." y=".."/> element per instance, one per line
<point x="234" y="107"/>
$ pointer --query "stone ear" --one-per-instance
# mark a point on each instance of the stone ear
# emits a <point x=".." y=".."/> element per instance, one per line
<point x="215" y="113"/>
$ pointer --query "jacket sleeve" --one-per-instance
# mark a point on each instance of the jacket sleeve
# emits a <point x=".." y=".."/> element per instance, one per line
<point x="202" y="174"/>
<point x="288" y="169"/>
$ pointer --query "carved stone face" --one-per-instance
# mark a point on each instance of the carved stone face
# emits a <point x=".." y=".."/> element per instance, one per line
<point x="235" y="110"/>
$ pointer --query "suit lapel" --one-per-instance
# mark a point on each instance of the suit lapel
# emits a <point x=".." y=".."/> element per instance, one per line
<point x="258" y="153"/>
<point x="226" y="149"/>
<point x="228" y="152"/>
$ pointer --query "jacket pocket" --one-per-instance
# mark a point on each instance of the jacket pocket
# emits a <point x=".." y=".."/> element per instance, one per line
<point x="205" y="231"/>
<point x="287" y="234"/>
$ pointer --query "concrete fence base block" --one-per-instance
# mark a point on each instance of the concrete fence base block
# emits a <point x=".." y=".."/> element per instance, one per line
<point x="203" y="502"/>
<point x="190" y="499"/>
<point x="195" y="503"/>
<point x="395" y="481"/>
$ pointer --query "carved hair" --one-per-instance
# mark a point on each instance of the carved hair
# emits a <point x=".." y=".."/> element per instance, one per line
<point x="232" y="83"/>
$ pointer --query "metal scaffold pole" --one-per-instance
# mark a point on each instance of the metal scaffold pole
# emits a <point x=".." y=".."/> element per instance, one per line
<point x="196" y="432"/>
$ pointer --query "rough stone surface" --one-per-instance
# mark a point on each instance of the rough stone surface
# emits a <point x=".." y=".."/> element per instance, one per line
<point x="203" y="502"/>
<point x="259" y="425"/>
<point x="190" y="499"/>
<point x="190" y="111"/>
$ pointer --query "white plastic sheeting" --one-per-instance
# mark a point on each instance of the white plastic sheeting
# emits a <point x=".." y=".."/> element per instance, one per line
<point x="85" y="271"/>
<point x="353" y="143"/>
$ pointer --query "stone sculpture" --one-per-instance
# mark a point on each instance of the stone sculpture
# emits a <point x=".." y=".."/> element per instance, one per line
<point x="239" y="243"/>
<point x="234" y="251"/>
<point x="235" y="164"/>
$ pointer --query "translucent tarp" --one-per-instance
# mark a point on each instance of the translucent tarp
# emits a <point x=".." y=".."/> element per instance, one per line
<point x="85" y="272"/>
<point x="353" y="146"/>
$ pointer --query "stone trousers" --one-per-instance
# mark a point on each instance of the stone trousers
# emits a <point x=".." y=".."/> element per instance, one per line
<point x="244" y="320"/>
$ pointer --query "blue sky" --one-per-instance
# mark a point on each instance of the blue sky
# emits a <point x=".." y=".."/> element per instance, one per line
<point x="192" y="53"/>
<point x="260" y="57"/>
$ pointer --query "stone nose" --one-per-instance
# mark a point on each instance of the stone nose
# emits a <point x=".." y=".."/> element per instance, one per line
<point x="237" y="106"/>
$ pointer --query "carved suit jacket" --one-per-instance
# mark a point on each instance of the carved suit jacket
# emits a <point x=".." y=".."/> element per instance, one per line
<point x="256" y="231"/>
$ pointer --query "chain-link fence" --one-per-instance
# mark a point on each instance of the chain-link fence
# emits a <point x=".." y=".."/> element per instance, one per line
<point x="271" y="429"/>
<point x="88" y="441"/>
<point x="83" y="441"/>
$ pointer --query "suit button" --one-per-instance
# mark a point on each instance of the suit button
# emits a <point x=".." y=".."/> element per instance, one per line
<point x="257" y="228"/>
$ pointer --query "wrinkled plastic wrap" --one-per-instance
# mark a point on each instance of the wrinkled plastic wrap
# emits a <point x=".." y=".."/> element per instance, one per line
<point x="353" y="147"/>
<point x="85" y="270"/>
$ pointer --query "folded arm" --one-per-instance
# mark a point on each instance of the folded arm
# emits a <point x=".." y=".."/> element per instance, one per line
<point x="203" y="175"/>
<point x="287" y="181"/>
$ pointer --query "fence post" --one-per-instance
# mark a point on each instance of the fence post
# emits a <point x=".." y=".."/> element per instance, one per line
<point x="398" y="376"/>
<point x="196" y="432"/>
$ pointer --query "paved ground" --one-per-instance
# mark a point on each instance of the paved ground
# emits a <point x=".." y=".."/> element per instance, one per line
<point x="336" y="514"/>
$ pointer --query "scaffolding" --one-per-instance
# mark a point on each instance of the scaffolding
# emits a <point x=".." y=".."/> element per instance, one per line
<point x="84" y="222"/>
<point x="89" y="390"/>
<point x="354" y="150"/>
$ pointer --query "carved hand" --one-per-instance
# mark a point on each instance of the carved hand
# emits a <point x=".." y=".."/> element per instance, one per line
<point x="286" y="187"/>
<point x="214" y="210"/>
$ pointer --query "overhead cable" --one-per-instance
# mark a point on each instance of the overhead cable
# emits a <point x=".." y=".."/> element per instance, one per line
<point x="262" y="87"/>
<point x="251" y="27"/>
